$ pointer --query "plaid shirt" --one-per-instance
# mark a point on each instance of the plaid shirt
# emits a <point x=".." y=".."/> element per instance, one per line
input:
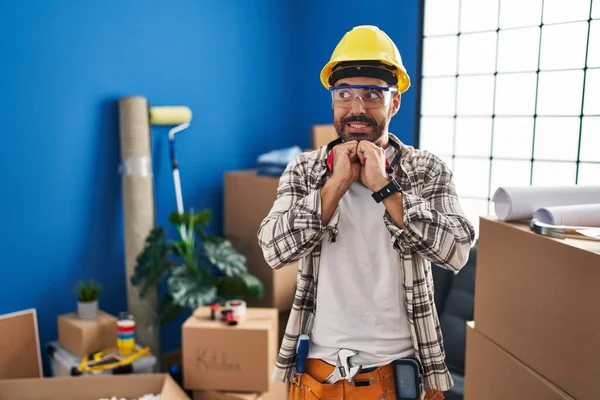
<point x="435" y="230"/>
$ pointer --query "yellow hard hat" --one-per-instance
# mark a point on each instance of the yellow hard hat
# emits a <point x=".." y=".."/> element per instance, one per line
<point x="369" y="50"/>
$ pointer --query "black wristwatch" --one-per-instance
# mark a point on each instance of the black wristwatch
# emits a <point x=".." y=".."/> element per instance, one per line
<point x="388" y="190"/>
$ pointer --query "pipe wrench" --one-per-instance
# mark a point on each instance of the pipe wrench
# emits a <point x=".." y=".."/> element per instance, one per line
<point x="343" y="370"/>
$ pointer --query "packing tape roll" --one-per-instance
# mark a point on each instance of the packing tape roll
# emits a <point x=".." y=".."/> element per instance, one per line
<point x="238" y="307"/>
<point x="137" y="166"/>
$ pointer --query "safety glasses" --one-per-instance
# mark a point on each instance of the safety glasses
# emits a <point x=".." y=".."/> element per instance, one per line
<point x="370" y="95"/>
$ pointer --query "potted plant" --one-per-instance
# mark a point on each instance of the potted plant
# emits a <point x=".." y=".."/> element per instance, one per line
<point x="200" y="269"/>
<point x="87" y="299"/>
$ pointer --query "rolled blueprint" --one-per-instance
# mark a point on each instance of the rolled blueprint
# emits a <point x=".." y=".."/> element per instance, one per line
<point x="520" y="203"/>
<point x="577" y="215"/>
<point x="138" y="203"/>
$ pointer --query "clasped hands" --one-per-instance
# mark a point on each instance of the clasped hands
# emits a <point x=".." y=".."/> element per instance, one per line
<point x="361" y="161"/>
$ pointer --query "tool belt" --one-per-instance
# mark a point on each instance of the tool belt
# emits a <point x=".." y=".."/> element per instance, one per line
<point x="376" y="384"/>
<point x="400" y="379"/>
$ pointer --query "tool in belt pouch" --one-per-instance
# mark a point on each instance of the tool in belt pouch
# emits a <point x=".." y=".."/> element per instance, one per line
<point x="408" y="378"/>
<point x="407" y="374"/>
<point x="343" y="368"/>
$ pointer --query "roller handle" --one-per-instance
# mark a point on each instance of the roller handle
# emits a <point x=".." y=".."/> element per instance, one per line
<point x="173" y="154"/>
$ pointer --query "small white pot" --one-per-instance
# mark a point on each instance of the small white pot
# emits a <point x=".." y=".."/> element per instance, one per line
<point x="87" y="310"/>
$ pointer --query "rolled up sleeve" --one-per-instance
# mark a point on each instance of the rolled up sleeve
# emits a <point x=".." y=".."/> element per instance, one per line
<point x="293" y="226"/>
<point x="434" y="224"/>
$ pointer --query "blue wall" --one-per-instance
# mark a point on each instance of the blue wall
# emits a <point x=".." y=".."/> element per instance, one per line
<point x="248" y="70"/>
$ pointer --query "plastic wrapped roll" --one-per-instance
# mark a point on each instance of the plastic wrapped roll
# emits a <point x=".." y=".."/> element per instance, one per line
<point x="138" y="212"/>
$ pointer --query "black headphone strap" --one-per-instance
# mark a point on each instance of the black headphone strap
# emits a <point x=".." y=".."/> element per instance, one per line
<point x="333" y="143"/>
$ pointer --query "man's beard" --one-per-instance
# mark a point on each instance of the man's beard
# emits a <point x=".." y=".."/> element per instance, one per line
<point x="376" y="129"/>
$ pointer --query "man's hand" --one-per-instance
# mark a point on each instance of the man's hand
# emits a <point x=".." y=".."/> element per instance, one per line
<point x="346" y="171"/>
<point x="346" y="167"/>
<point x="372" y="158"/>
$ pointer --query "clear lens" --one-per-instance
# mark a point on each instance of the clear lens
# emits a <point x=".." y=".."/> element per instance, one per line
<point x="371" y="96"/>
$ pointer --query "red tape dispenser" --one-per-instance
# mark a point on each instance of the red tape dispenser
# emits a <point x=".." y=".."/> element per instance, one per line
<point x="213" y="311"/>
<point x="233" y="312"/>
<point x="229" y="318"/>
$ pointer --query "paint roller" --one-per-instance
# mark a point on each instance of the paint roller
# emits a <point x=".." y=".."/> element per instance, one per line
<point x="179" y="117"/>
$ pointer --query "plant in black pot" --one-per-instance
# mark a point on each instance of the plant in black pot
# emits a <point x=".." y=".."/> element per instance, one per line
<point x="200" y="269"/>
<point x="88" y="294"/>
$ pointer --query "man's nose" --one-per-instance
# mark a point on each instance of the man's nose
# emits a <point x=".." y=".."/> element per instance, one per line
<point x="358" y="107"/>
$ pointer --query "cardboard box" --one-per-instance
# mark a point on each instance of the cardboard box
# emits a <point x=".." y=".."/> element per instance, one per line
<point x="322" y="135"/>
<point x="537" y="298"/>
<point x="82" y="336"/>
<point x="20" y="346"/>
<point x="283" y="319"/>
<point x="248" y="199"/>
<point x="279" y="391"/>
<point x="230" y="358"/>
<point x="493" y="374"/>
<point x="213" y="395"/>
<point x="92" y="388"/>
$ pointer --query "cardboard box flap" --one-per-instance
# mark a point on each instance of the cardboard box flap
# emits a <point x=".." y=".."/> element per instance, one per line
<point x="20" y="346"/>
<point x="171" y="390"/>
<point x="92" y="388"/>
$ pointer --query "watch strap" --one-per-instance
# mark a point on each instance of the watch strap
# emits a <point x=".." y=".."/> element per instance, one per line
<point x="386" y="191"/>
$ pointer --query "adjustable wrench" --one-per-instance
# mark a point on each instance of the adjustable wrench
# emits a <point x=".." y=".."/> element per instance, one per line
<point x="343" y="370"/>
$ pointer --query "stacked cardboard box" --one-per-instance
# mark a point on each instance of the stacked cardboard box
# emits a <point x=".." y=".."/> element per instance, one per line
<point x="231" y="362"/>
<point x="84" y="336"/>
<point x="537" y="316"/>
<point x="248" y="199"/>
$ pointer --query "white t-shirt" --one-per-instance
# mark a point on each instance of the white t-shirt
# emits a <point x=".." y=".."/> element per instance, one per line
<point x="360" y="299"/>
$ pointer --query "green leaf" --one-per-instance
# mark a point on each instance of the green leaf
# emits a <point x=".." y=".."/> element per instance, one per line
<point x="254" y="287"/>
<point x="179" y="219"/>
<point x="199" y="219"/>
<point x="153" y="262"/>
<point x="206" y="237"/>
<point x="244" y="285"/>
<point x="226" y="258"/>
<point x="89" y="291"/>
<point x="188" y="291"/>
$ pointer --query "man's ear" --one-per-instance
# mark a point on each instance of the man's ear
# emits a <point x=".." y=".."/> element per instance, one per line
<point x="396" y="101"/>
